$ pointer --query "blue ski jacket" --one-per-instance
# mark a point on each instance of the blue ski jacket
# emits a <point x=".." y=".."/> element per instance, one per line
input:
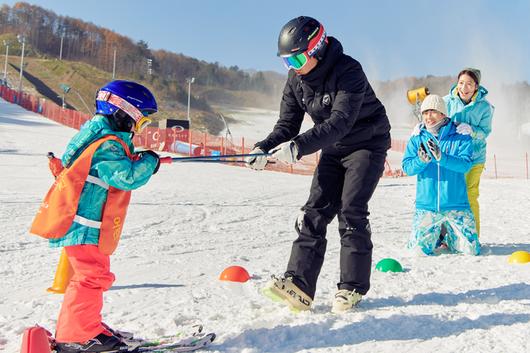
<point x="478" y="114"/>
<point x="111" y="164"/>
<point x="441" y="185"/>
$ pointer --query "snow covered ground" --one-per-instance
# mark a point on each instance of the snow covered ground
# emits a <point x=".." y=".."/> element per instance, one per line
<point x="193" y="220"/>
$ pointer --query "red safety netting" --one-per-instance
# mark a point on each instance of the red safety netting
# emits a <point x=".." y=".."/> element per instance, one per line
<point x="184" y="142"/>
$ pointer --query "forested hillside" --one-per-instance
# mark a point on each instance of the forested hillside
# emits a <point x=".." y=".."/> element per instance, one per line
<point x="165" y="72"/>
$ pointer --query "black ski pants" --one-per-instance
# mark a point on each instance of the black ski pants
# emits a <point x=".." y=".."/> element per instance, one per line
<point x="341" y="186"/>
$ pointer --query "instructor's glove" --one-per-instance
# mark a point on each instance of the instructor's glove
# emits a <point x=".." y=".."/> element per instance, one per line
<point x="435" y="149"/>
<point x="286" y="152"/>
<point x="422" y="153"/>
<point x="256" y="162"/>
<point x="154" y="154"/>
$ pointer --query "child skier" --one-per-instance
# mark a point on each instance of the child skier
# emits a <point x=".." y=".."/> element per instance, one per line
<point x="55" y="164"/>
<point x="84" y="211"/>
<point x="439" y="153"/>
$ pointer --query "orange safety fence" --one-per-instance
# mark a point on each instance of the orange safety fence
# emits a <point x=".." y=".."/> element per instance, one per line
<point x="184" y="142"/>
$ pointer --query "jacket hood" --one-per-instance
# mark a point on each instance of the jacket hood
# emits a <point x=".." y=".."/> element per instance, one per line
<point x="92" y="130"/>
<point x="333" y="52"/>
<point x="480" y="95"/>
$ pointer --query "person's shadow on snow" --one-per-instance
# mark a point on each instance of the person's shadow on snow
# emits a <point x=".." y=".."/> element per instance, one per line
<point x="285" y="338"/>
<point x="502" y="249"/>
<point x="396" y="327"/>
<point x="146" y="285"/>
<point x="515" y="291"/>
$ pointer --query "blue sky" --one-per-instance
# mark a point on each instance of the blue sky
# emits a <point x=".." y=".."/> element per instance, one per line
<point x="391" y="38"/>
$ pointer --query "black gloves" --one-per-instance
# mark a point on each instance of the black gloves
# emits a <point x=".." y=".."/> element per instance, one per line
<point x="422" y="153"/>
<point x="435" y="149"/>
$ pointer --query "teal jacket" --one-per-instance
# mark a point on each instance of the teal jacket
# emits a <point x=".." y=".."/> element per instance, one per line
<point x="477" y="114"/>
<point x="441" y="185"/>
<point x="110" y="164"/>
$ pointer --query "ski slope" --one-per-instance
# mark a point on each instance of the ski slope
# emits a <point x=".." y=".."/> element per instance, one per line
<point x="193" y="220"/>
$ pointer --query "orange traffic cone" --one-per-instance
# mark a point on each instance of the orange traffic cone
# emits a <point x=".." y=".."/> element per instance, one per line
<point x="35" y="340"/>
<point x="234" y="274"/>
<point x="62" y="276"/>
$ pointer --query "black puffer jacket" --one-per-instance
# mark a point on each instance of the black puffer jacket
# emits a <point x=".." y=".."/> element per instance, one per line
<point x="336" y="94"/>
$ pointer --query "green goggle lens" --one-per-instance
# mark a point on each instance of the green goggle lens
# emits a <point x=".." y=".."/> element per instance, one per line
<point x="295" y="61"/>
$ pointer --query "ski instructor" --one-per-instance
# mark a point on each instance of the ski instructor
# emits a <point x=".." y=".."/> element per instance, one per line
<point x="353" y="132"/>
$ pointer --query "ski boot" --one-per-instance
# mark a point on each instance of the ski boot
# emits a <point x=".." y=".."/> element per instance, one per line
<point x="123" y="335"/>
<point x="284" y="290"/>
<point x="345" y="300"/>
<point x="104" y="342"/>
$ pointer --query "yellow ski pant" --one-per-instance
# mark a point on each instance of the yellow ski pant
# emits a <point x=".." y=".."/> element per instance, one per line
<point x="472" y="182"/>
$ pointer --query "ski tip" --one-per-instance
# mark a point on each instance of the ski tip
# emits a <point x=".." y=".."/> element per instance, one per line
<point x="208" y="338"/>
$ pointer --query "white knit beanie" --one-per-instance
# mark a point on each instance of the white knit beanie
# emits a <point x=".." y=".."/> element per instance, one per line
<point x="434" y="102"/>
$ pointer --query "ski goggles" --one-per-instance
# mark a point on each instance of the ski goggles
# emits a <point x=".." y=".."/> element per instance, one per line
<point x="142" y="124"/>
<point x="140" y="118"/>
<point x="296" y="61"/>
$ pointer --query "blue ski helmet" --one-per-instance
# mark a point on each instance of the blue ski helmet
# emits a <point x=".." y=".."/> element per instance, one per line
<point x="133" y="98"/>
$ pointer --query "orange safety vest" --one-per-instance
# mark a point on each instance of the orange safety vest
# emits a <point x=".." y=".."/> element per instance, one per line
<point x="58" y="210"/>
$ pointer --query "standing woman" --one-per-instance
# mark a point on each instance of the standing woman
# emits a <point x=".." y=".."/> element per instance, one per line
<point x="466" y="103"/>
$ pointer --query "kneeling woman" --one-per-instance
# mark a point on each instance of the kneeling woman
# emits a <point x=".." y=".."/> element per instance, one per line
<point x="439" y="153"/>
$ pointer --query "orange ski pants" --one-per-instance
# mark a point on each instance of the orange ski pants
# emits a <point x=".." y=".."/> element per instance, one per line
<point x="80" y="316"/>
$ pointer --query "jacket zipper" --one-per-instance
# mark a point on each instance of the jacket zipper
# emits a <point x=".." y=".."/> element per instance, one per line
<point x="438" y="187"/>
<point x="439" y="171"/>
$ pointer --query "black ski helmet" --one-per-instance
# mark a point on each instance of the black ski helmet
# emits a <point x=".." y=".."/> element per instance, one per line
<point x="302" y="34"/>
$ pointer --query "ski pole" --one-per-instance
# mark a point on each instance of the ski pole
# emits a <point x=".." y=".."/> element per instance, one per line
<point x="196" y="158"/>
<point x="169" y="160"/>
